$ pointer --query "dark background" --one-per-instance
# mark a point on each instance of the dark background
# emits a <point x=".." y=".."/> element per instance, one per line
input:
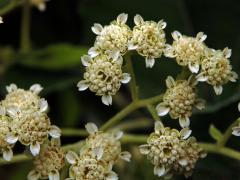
<point x="62" y="34"/>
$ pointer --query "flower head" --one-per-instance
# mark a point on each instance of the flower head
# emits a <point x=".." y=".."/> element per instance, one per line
<point x="49" y="162"/>
<point x="5" y="124"/>
<point x="179" y="100"/>
<point x="40" y="4"/>
<point x="88" y="166"/>
<point x="188" y="51"/>
<point x="148" y="39"/>
<point x="166" y="148"/>
<point x="106" y="144"/>
<point x="216" y="69"/>
<point x="111" y="39"/>
<point x="33" y="130"/>
<point x="103" y="76"/>
<point x="24" y="101"/>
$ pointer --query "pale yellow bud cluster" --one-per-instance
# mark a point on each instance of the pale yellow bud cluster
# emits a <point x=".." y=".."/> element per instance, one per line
<point x="179" y="100"/>
<point x="148" y="39"/>
<point x="171" y="151"/>
<point x="26" y="118"/>
<point x="97" y="157"/>
<point x="103" y="76"/>
<point x="49" y="162"/>
<point x="216" y="69"/>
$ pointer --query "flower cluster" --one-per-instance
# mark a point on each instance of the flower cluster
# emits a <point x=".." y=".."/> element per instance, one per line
<point x="212" y="65"/>
<point x="24" y="119"/>
<point x="171" y="151"/>
<point x="103" y="64"/>
<point x="40" y="4"/>
<point x="97" y="157"/>
<point x="49" y="162"/>
<point x="179" y="100"/>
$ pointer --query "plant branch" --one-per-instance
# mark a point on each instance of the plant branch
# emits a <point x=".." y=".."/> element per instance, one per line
<point x="130" y="108"/>
<point x="25" y="41"/>
<point x="133" y="83"/>
<point x="153" y="112"/>
<point x="66" y="132"/>
<point x="222" y="142"/>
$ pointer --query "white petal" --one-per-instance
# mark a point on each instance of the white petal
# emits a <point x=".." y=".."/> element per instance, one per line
<point x="13" y="111"/>
<point x="185" y="133"/>
<point x="183" y="162"/>
<point x="97" y="29"/>
<point x="43" y="105"/>
<point x="194" y="68"/>
<point x="162" y="109"/>
<point x="184" y="122"/>
<point x="114" y="54"/>
<point x="55" y="132"/>
<point x="112" y="176"/>
<point x="33" y="175"/>
<point x="72" y="157"/>
<point x="159" y="171"/>
<point x="54" y="176"/>
<point x="138" y="20"/>
<point x="35" y="148"/>
<point x="233" y="77"/>
<point x="236" y="131"/>
<point x="201" y="36"/>
<point x="85" y="60"/>
<point x="91" y="128"/>
<point x="98" y="152"/>
<point x="169" y="51"/>
<point x="201" y="78"/>
<point x="1" y="20"/>
<point x="218" y="89"/>
<point x="125" y="78"/>
<point x="2" y="111"/>
<point x="107" y="100"/>
<point x="144" y="149"/>
<point x="8" y="154"/>
<point x="11" y="138"/>
<point x="122" y="18"/>
<point x="170" y="82"/>
<point x="176" y="35"/>
<point x="149" y="62"/>
<point x="125" y="156"/>
<point x="117" y="134"/>
<point x="82" y="85"/>
<point x="11" y="88"/>
<point x="158" y="126"/>
<point x="131" y="46"/>
<point x="239" y="106"/>
<point x="92" y="52"/>
<point x="200" y="104"/>
<point x="162" y="24"/>
<point x="227" y="52"/>
<point x="119" y="60"/>
<point x="42" y="7"/>
<point x="36" y="88"/>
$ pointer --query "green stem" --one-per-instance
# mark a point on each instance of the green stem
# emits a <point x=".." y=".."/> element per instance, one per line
<point x="213" y="148"/>
<point x="228" y="133"/>
<point x="130" y="108"/>
<point x="153" y="112"/>
<point x="73" y="132"/>
<point x="133" y="83"/>
<point x="25" y="42"/>
<point x="132" y="138"/>
<point x="10" y="6"/>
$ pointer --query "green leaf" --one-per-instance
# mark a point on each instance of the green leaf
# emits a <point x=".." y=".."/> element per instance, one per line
<point x="54" y="57"/>
<point x="215" y="133"/>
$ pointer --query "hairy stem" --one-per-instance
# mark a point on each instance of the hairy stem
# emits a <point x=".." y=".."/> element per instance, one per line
<point x="139" y="123"/>
<point x="133" y="83"/>
<point x="222" y="142"/>
<point x="25" y="42"/>
<point x="153" y="112"/>
<point x="73" y="132"/>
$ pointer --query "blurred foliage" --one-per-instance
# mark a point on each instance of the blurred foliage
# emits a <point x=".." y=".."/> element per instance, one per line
<point x="62" y="34"/>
